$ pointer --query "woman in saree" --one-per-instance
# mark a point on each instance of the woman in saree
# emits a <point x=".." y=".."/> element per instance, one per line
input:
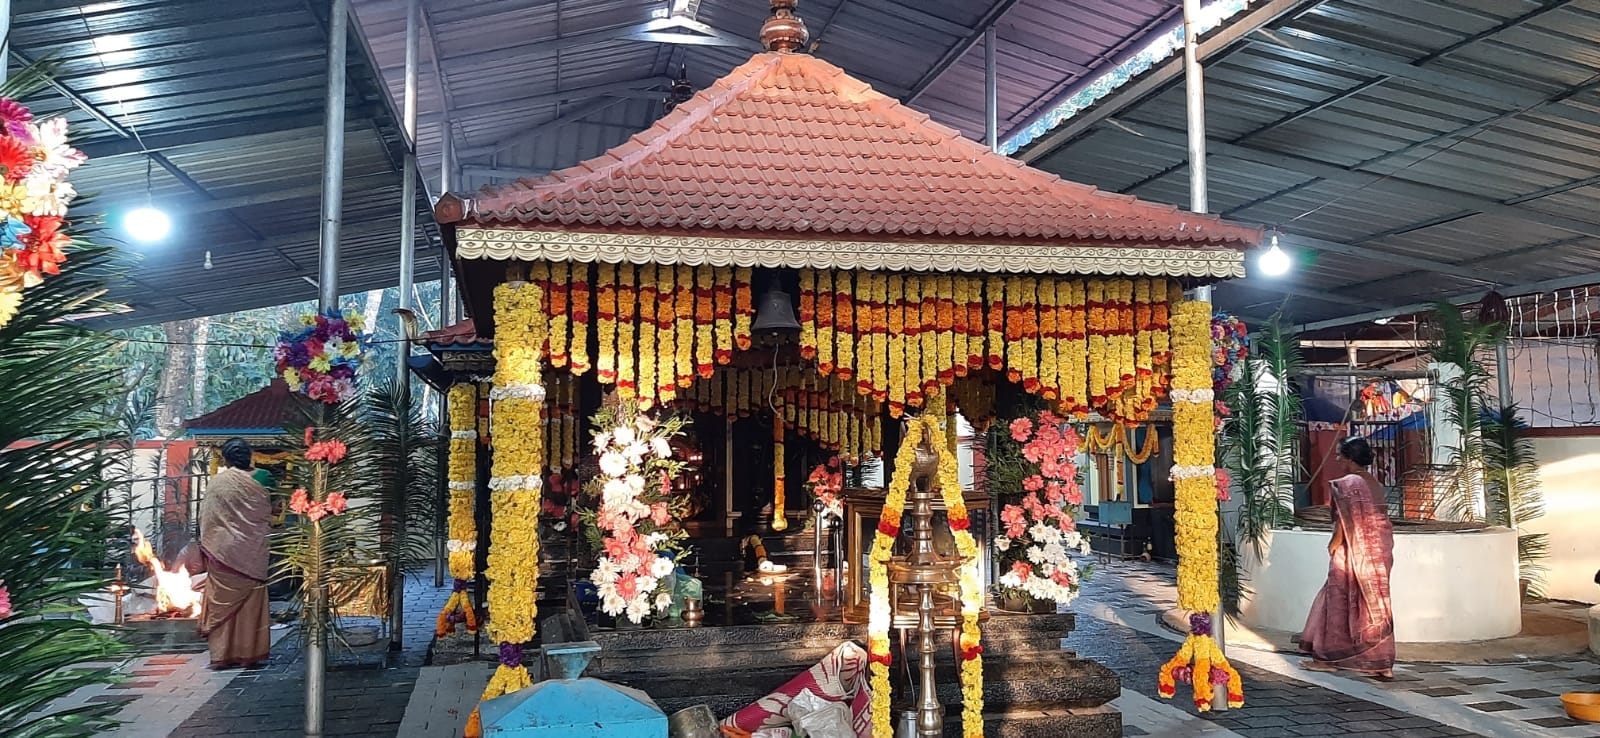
<point x="1351" y="625"/>
<point x="234" y="518"/>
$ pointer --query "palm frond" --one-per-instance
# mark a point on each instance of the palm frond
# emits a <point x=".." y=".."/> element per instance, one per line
<point x="1257" y="445"/>
<point x="404" y="448"/>
<point x="53" y="463"/>
<point x="1462" y="342"/>
<point x="1511" y="487"/>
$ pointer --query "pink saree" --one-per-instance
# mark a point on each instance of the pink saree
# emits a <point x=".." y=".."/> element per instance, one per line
<point x="1351" y="625"/>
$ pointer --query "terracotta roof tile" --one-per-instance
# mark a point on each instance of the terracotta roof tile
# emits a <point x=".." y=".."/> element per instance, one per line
<point x="463" y="333"/>
<point x="266" y="410"/>
<point x="791" y="146"/>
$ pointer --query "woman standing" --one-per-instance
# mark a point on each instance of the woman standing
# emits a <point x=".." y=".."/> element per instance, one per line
<point x="1351" y="625"/>
<point x="234" y="516"/>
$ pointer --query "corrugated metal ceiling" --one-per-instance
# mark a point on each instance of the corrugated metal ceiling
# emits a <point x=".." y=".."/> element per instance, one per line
<point x="230" y="97"/>
<point x="1409" y="150"/>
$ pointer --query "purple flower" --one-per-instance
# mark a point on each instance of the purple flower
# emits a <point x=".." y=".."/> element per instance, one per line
<point x="511" y="654"/>
<point x="1219" y="675"/>
<point x="1183" y="674"/>
<point x="1200" y="624"/>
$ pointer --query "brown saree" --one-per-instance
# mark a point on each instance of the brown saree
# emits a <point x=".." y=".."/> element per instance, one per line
<point x="233" y="538"/>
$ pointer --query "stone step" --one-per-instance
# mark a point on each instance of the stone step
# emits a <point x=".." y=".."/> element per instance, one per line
<point x="1078" y="722"/>
<point x="1051" y="683"/>
<point x="1001" y="630"/>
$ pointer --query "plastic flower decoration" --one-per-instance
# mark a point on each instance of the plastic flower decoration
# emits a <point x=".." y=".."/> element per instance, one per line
<point x="634" y="530"/>
<point x="35" y="161"/>
<point x="5" y="602"/>
<point x="1230" y="346"/>
<point x="322" y="357"/>
<point x="1039" y="532"/>
<point x="826" y="482"/>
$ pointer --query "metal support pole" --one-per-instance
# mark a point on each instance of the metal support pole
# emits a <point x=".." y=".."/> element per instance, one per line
<point x="447" y="317"/>
<point x="1194" y="95"/>
<point x="991" y="92"/>
<point x="5" y="39"/>
<point x="407" y="318"/>
<point x="328" y="299"/>
<point x="333" y="158"/>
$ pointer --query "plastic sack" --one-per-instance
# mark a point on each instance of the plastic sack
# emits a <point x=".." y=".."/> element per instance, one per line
<point x="819" y="717"/>
<point x="772" y="733"/>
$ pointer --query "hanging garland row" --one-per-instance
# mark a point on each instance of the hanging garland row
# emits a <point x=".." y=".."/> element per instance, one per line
<point x="461" y="476"/>
<point x="1195" y="516"/>
<point x="658" y="327"/>
<point x="1119" y="437"/>
<point x="1097" y="345"/>
<point x="825" y="410"/>
<point x="561" y="421"/>
<point x="517" y="425"/>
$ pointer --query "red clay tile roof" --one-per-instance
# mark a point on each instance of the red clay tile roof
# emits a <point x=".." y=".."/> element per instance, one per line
<point x="265" y="411"/>
<point x="790" y="145"/>
<point x="463" y="333"/>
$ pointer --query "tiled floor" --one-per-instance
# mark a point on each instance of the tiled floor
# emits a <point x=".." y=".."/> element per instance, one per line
<point x="1119" y="625"/>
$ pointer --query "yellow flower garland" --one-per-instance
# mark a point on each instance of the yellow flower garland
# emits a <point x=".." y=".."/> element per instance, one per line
<point x="462" y="541"/>
<point x="685" y="371"/>
<point x="826" y="299"/>
<point x="895" y="361"/>
<point x="808" y="314"/>
<point x="649" y="303"/>
<point x="578" y="302"/>
<point x="666" y="340"/>
<point x="722" y="309"/>
<point x="780" y="521"/>
<point x="1195" y="516"/>
<point x="606" y="325"/>
<point x="995" y="293"/>
<point x="627" y="321"/>
<point x="845" y="317"/>
<point x="1049" y="362"/>
<point x="555" y="288"/>
<point x="743" y="308"/>
<point x="1074" y="352"/>
<point x="518" y="431"/>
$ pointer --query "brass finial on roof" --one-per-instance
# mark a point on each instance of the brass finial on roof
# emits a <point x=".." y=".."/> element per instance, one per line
<point x="784" y="31"/>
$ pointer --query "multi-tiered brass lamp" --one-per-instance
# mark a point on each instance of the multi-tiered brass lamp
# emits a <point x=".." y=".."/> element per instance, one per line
<point x="924" y="573"/>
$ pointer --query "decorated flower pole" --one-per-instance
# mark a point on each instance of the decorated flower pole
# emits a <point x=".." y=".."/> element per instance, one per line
<point x="34" y="193"/>
<point x="517" y="427"/>
<point x="1200" y="661"/>
<point x="320" y="359"/>
<point x="462" y="543"/>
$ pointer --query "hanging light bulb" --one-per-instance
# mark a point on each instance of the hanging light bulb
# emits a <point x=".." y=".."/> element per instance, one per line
<point x="1274" y="262"/>
<point x="147" y="223"/>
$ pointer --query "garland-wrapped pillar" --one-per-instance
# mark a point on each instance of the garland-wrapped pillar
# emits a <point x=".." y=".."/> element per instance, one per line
<point x="517" y="428"/>
<point x="462" y="473"/>
<point x="1194" y="479"/>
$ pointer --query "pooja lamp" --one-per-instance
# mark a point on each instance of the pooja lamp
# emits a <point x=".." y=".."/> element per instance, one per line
<point x="923" y="572"/>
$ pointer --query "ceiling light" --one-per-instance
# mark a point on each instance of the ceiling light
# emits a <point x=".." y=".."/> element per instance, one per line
<point x="1382" y="321"/>
<point x="1274" y="262"/>
<point x="208" y="264"/>
<point x="147" y="224"/>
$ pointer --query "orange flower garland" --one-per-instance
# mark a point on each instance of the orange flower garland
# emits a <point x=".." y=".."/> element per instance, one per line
<point x="666" y="340"/>
<point x="626" y="310"/>
<point x="1049" y="367"/>
<point x="704" y="317"/>
<point x="866" y="328"/>
<point x="844" y="320"/>
<point x="555" y="287"/>
<point x="895" y="361"/>
<point x="930" y="335"/>
<point x="880" y="337"/>
<point x="780" y="521"/>
<point x="996" y="295"/>
<point x="825" y="305"/>
<point x="1074" y="352"/>
<point x="959" y="353"/>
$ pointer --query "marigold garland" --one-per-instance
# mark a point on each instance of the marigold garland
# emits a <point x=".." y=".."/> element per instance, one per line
<point x="824" y="321"/>
<point x="462" y="541"/>
<point x="1049" y="336"/>
<point x="844" y="322"/>
<point x="1195" y="515"/>
<point x="556" y="286"/>
<point x="518" y="433"/>
<point x="666" y="337"/>
<point x="649" y="303"/>
<point x="743" y="308"/>
<point x="722" y="288"/>
<point x="579" y="300"/>
<point x="780" y="521"/>
<point x="606" y="362"/>
<point x="684" y="372"/>
<point x="627" y="305"/>
<point x="704" y="317"/>
<point x="925" y="427"/>
<point x="808" y="314"/>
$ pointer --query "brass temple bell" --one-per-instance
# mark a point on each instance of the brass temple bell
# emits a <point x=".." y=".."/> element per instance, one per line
<point x="924" y="572"/>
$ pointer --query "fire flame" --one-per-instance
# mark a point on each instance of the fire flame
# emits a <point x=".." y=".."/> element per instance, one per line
<point x="173" y="593"/>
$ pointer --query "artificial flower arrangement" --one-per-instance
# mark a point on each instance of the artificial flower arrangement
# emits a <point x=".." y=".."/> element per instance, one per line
<point x="634" y="529"/>
<point x="1039" y="531"/>
<point x="321" y="358"/>
<point x="825" y="483"/>
<point x="34" y="195"/>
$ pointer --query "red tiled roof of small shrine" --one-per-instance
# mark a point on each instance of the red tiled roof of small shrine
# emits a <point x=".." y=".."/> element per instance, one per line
<point x="264" y="410"/>
<point x="463" y="333"/>
<point x="789" y="145"/>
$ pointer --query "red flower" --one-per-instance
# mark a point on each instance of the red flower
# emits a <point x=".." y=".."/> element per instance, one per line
<point x="889" y="529"/>
<point x="881" y="658"/>
<point x="960" y="523"/>
<point x="309" y="431"/>
<point x="336" y="503"/>
<point x="15" y="158"/>
<point x="971" y="652"/>
<point x="332" y="452"/>
<point x="1021" y="428"/>
<point x="299" y="502"/>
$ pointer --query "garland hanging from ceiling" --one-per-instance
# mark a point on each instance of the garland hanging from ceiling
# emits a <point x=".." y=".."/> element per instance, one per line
<point x="1097" y="345"/>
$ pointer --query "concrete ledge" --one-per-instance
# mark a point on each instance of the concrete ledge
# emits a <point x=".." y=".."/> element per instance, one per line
<point x="1594" y="630"/>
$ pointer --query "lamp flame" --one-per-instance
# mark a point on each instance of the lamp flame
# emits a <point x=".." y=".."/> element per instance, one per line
<point x="174" y="595"/>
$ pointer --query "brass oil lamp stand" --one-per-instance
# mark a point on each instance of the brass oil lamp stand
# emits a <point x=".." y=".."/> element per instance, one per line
<point x="924" y="572"/>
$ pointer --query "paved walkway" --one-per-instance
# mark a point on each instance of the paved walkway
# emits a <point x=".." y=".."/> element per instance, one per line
<point x="1119" y="625"/>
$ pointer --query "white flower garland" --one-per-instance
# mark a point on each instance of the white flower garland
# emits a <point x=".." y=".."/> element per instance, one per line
<point x="529" y="482"/>
<point x="517" y="390"/>
<point x="464" y="435"/>
<point x="1202" y="396"/>
<point x="455" y="546"/>
<point x="463" y="486"/>
<point x="1190" y="472"/>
